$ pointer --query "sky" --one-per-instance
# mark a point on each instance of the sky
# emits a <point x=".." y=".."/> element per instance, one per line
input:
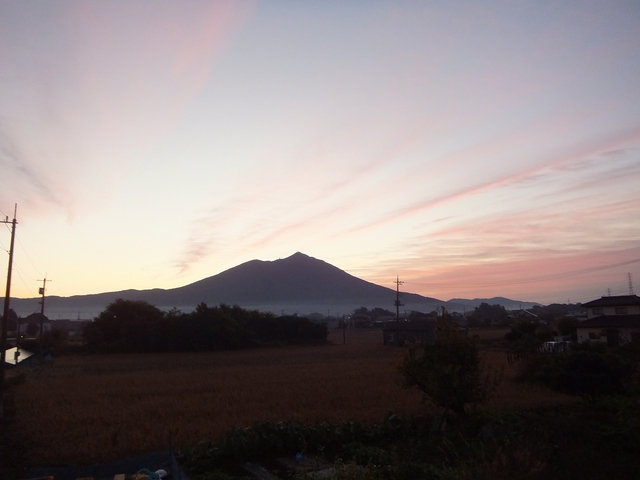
<point x="470" y="149"/>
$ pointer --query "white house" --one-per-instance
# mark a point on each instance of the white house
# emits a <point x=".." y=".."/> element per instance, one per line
<point x="614" y="320"/>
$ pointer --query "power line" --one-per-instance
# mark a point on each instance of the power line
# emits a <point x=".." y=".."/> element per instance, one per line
<point x="19" y="271"/>
<point x="28" y="257"/>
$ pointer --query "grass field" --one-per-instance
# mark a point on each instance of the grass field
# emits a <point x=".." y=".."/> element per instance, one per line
<point x="83" y="409"/>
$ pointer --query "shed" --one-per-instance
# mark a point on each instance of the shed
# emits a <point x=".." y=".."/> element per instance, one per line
<point x="392" y="336"/>
<point x="19" y="357"/>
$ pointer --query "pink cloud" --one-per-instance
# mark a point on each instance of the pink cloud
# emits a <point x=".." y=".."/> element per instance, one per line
<point x="576" y="155"/>
<point x="582" y="276"/>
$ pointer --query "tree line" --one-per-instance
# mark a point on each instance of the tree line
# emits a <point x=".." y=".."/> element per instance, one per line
<point x="137" y="326"/>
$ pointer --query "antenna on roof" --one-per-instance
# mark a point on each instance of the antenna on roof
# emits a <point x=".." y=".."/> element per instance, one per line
<point x="630" y="285"/>
<point x="608" y="292"/>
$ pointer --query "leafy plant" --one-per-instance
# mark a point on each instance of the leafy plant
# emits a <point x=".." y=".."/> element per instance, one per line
<point x="587" y="371"/>
<point x="449" y="372"/>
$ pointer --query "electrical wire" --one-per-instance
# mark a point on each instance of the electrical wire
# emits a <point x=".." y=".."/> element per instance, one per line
<point x="24" y="250"/>
<point x="19" y="271"/>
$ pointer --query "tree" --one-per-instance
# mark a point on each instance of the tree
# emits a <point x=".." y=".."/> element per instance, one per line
<point x="587" y="371"/>
<point x="524" y="336"/>
<point x="123" y="325"/>
<point x="485" y="315"/>
<point x="449" y="372"/>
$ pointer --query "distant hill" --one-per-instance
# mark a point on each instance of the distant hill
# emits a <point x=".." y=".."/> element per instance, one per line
<point x="296" y="284"/>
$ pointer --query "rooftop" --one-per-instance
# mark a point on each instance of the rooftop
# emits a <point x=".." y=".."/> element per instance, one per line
<point x="611" y="321"/>
<point x="613" y="301"/>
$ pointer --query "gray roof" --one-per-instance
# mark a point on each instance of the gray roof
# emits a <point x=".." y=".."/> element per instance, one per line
<point x="615" y="301"/>
<point x="611" y="321"/>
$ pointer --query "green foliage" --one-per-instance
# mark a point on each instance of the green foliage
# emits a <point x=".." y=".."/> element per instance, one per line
<point x="376" y="462"/>
<point x="533" y="445"/>
<point x="449" y="372"/>
<point x="588" y="371"/>
<point x="374" y="312"/>
<point x="486" y="315"/>
<point x="123" y="326"/>
<point x="526" y="336"/>
<point x="128" y="326"/>
<point x="273" y="439"/>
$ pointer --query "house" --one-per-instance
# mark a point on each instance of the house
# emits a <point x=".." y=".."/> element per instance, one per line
<point x="614" y="320"/>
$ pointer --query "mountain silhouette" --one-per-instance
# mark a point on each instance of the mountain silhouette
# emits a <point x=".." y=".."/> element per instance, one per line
<point x="297" y="279"/>
<point x="296" y="284"/>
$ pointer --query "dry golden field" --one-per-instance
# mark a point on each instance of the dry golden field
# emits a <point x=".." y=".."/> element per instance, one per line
<point x="83" y="409"/>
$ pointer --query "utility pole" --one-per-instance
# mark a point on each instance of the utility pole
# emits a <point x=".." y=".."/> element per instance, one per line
<point x="398" y="305"/>
<point x="5" y="315"/>
<point x="630" y="285"/>
<point x="41" y="292"/>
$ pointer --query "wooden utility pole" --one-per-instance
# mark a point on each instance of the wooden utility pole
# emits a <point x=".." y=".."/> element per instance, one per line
<point x="398" y="305"/>
<point x="5" y="315"/>
<point x="41" y="291"/>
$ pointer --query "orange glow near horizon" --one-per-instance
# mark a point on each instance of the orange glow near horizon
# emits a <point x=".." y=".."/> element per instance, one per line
<point x="156" y="143"/>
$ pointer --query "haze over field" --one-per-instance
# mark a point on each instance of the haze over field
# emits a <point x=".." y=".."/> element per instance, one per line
<point x="298" y="284"/>
<point x="473" y="150"/>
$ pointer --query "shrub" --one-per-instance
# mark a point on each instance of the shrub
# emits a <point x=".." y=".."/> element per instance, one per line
<point x="136" y="326"/>
<point x="449" y="372"/>
<point x="587" y="371"/>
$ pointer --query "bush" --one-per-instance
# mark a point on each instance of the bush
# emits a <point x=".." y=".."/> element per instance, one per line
<point x="587" y="371"/>
<point x="137" y="326"/>
<point x="449" y="372"/>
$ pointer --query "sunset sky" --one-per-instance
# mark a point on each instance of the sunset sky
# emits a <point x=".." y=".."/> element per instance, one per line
<point x="474" y="149"/>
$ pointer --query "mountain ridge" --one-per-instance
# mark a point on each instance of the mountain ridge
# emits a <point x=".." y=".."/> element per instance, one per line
<point x="295" y="284"/>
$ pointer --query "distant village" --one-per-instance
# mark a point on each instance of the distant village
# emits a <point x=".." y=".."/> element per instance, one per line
<point x="614" y="320"/>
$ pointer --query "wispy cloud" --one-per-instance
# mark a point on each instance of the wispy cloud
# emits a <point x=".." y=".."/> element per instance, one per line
<point x="26" y="185"/>
<point x="481" y="142"/>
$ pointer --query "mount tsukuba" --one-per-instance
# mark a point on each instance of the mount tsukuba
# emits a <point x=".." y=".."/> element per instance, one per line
<point x="296" y="284"/>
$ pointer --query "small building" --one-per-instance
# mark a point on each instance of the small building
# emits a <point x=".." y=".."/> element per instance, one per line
<point x="422" y="331"/>
<point x="19" y="357"/>
<point x="614" y="320"/>
<point x="409" y="332"/>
